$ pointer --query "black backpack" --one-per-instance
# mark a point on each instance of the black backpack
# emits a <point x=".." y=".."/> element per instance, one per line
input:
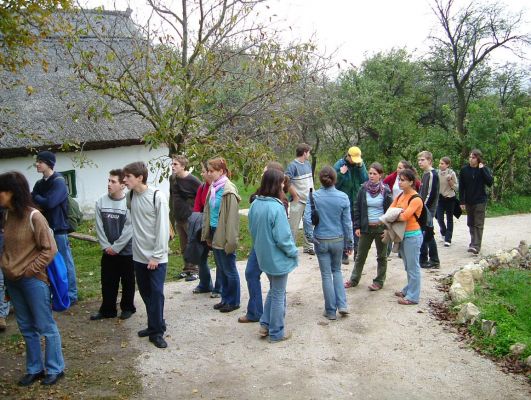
<point x="422" y="220"/>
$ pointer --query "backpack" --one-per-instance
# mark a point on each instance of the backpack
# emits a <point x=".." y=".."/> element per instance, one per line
<point x="58" y="278"/>
<point x="422" y="220"/>
<point x="74" y="216"/>
<point x="130" y="199"/>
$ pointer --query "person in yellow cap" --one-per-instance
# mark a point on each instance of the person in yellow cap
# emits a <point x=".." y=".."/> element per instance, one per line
<point x="351" y="174"/>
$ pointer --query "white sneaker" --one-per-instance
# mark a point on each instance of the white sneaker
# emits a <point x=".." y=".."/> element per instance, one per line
<point x="447" y="244"/>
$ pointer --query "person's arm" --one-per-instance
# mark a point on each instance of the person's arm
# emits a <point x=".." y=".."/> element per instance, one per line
<point x="100" y="232"/>
<point x="126" y="235"/>
<point x="338" y="167"/>
<point x="162" y="229"/>
<point x="346" y="222"/>
<point x="364" y="176"/>
<point x="45" y="244"/>
<point x="307" y="221"/>
<point x="232" y="226"/>
<point x="282" y="234"/>
<point x="453" y="182"/>
<point x="487" y="176"/>
<point x="433" y="189"/>
<point x="57" y="194"/>
<point x="356" y="212"/>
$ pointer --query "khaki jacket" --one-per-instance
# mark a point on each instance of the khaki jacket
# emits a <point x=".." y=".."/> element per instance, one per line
<point x="227" y="232"/>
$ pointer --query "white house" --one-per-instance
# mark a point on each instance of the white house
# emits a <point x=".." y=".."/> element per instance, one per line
<point x="45" y="107"/>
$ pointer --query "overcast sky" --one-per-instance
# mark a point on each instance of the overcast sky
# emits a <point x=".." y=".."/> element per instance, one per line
<point x="353" y="28"/>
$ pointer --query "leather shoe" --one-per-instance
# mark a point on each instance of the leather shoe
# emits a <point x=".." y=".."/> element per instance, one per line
<point x="218" y="306"/>
<point x="98" y="316"/>
<point x="228" y="308"/>
<point x="158" y="341"/>
<point x="245" y="320"/>
<point x="126" y="314"/>
<point x="28" y="379"/>
<point x="144" y="332"/>
<point x="51" y="379"/>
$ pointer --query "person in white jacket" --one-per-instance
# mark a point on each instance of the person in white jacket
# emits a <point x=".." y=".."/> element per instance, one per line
<point x="151" y="230"/>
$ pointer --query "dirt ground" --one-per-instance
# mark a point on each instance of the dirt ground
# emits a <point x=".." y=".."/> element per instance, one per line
<point x="383" y="350"/>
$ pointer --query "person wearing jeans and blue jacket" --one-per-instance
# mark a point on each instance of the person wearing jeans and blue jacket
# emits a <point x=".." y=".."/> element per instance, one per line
<point x="332" y="237"/>
<point x="275" y="251"/>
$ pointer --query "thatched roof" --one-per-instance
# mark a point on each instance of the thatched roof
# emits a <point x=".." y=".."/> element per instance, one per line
<point x="49" y="107"/>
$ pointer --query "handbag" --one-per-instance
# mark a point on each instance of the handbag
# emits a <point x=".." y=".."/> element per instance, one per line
<point x="314" y="213"/>
<point x="58" y="278"/>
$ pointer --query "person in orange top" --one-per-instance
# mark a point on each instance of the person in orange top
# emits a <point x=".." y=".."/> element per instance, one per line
<point x="410" y="246"/>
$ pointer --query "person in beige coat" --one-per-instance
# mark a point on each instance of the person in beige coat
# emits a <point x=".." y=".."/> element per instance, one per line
<point x="221" y="226"/>
<point x="446" y="204"/>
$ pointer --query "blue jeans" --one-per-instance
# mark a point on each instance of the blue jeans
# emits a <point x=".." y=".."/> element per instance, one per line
<point x="329" y="253"/>
<point x="275" y="306"/>
<point x="33" y="310"/>
<point x="255" y="307"/>
<point x="205" y="280"/>
<point x="4" y="305"/>
<point x="228" y="274"/>
<point x="150" y="284"/>
<point x="410" y="250"/>
<point x="63" y="246"/>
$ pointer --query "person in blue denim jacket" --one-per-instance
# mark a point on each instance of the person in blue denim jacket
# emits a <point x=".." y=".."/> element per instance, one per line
<point x="332" y="237"/>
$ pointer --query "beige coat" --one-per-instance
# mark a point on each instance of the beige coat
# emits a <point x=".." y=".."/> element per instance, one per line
<point x="228" y="229"/>
<point x="395" y="230"/>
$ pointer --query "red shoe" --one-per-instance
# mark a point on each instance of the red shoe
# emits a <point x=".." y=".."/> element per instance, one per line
<point x="349" y="284"/>
<point x="374" y="287"/>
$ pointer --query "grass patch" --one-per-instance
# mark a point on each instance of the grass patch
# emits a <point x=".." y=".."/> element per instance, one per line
<point x="504" y="297"/>
<point x="87" y="256"/>
<point x="517" y="204"/>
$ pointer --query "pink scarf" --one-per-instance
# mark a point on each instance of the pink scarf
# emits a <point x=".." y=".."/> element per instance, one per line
<point x="214" y="186"/>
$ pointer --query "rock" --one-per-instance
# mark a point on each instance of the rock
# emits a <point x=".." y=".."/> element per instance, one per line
<point x="475" y="270"/>
<point x="489" y="327"/>
<point x="523" y="248"/>
<point x="466" y="280"/>
<point x="504" y="257"/>
<point x="528" y="361"/>
<point x="517" y="349"/>
<point x="484" y="264"/>
<point x="457" y="293"/>
<point x="468" y="313"/>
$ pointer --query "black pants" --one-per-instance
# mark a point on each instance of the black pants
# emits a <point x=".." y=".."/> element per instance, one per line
<point x="114" y="268"/>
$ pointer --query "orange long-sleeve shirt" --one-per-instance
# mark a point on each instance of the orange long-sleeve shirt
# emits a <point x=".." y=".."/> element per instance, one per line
<point x="415" y="207"/>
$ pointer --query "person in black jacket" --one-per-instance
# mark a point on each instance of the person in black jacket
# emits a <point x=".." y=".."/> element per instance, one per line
<point x="429" y="192"/>
<point x="372" y="201"/>
<point x="473" y="179"/>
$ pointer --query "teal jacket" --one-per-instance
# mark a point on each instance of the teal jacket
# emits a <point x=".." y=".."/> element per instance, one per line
<point x="271" y="234"/>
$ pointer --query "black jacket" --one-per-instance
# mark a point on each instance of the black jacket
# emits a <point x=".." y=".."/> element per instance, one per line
<point x="360" y="215"/>
<point x="472" y="182"/>
<point x="195" y="248"/>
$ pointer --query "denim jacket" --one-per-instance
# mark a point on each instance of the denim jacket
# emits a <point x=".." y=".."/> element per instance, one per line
<point x="335" y="222"/>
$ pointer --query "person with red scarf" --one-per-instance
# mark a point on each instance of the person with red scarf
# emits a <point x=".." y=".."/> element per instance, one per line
<point x="373" y="200"/>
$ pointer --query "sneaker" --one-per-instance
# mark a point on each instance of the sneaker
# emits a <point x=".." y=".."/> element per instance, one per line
<point x="309" y="251"/>
<point x="473" y="250"/>
<point x="447" y="244"/>
<point x="191" y="277"/>
<point x="330" y="316"/>
<point x="3" y="324"/>
<point x="287" y="335"/>
<point x="343" y="312"/>
<point x="263" y="331"/>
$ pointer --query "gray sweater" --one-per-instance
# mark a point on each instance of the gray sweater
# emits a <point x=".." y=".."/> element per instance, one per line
<point x="151" y="226"/>
<point x="113" y="225"/>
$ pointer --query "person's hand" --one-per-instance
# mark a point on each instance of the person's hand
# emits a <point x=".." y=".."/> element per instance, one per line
<point x="343" y="169"/>
<point x="357" y="232"/>
<point x="463" y="207"/>
<point x="448" y="178"/>
<point x="481" y="165"/>
<point x="109" y="251"/>
<point x="153" y="264"/>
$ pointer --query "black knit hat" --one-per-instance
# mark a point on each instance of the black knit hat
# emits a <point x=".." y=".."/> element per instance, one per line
<point x="47" y="157"/>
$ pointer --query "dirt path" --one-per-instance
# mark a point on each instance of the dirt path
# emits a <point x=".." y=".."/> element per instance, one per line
<point x="381" y="351"/>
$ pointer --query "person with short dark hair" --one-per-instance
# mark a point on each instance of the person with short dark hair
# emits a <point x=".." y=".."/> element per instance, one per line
<point x="299" y="172"/>
<point x="275" y="251"/>
<point x="183" y="189"/>
<point x="351" y="174"/>
<point x="445" y="206"/>
<point x="51" y="195"/>
<point x="151" y="231"/>
<point x="473" y="180"/>
<point x="29" y="247"/>
<point x="332" y="238"/>
<point x="114" y="231"/>
<point x="374" y="198"/>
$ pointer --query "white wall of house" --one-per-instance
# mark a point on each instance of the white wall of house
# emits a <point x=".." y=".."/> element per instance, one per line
<point x="91" y="179"/>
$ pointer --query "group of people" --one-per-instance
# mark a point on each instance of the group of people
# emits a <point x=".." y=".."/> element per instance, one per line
<point x="353" y="208"/>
